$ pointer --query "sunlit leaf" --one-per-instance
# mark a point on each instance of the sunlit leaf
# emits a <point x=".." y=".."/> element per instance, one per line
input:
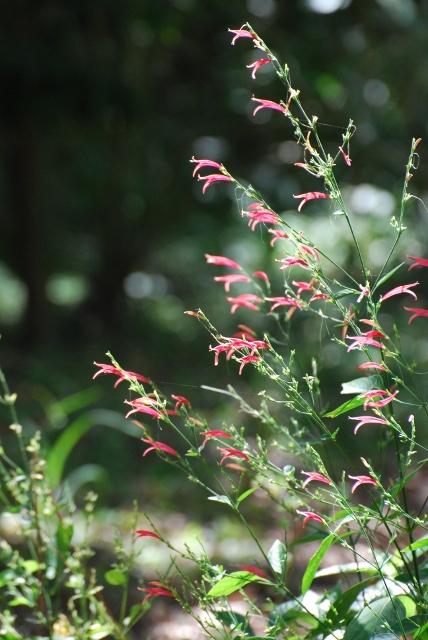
<point x="223" y="499"/>
<point x="419" y="544"/>
<point x="315" y="562"/>
<point x="277" y="557"/>
<point x="387" y="276"/>
<point x="115" y="577"/>
<point x="360" y="385"/>
<point x="231" y="583"/>
<point x="247" y="493"/>
<point x="375" y="618"/>
<point x="344" y="408"/>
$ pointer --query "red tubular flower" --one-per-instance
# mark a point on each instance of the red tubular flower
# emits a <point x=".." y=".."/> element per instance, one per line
<point x="180" y="400"/>
<point x="213" y="434"/>
<point x="231" y="453"/>
<point x="288" y="262"/>
<point x="277" y="235"/>
<point x="284" y="301"/>
<point x="259" y="216"/>
<point x="310" y="250"/>
<point x="372" y="365"/>
<point x="123" y="375"/>
<point x="345" y="157"/>
<point x="213" y="177"/>
<point x="311" y="195"/>
<point x="246" y="359"/>
<point x="241" y="33"/>
<point x="314" y="476"/>
<point x="159" y="446"/>
<point x="367" y="420"/>
<point x="268" y="104"/>
<point x="221" y="261"/>
<point x="256" y="66"/>
<point x="155" y="591"/>
<point x="361" y="480"/>
<point x="402" y="289"/>
<point x="145" y="405"/>
<point x="143" y="533"/>
<point x="262" y="275"/>
<point x="246" y="300"/>
<point x="369" y="395"/>
<point x="418" y="262"/>
<point x="363" y="341"/>
<point x="205" y="163"/>
<point x="310" y="515"/>
<point x="417" y="313"/>
<point x="231" y="279"/>
<point x="320" y="296"/>
<point x="303" y="286"/>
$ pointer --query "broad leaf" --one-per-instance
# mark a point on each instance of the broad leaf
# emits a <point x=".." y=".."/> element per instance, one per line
<point x="231" y="583"/>
<point x="344" y="408"/>
<point x="223" y="499"/>
<point x="115" y="577"/>
<point x="277" y="557"/>
<point x="341" y="605"/>
<point x="315" y="562"/>
<point x="360" y="385"/>
<point x="374" y="619"/>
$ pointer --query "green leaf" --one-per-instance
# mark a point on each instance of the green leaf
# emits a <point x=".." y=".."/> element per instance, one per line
<point x="277" y="557"/>
<point x="344" y="408"/>
<point x="115" y="577"/>
<point x="20" y="602"/>
<point x="360" y="385"/>
<point x="341" y="605"/>
<point x="223" y="499"/>
<point x="375" y="618"/>
<point x="234" y="621"/>
<point x="315" y="562"/>
<point x="247" y="493"/>
<point x="231" y="583"/>
<point x="344" y="292"/>
<point x="419" y="544"/>
<point x="386" y="277"/>
<point x="31" y="565"/>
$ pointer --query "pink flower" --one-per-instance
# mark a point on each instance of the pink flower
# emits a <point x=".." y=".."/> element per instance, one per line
<point x="277" y="235"/>
<point x="213" y="434"/>
<point x="259" y="215"/>
<point x="363" y="341"/>
<point x="310" y="250"/>
<point x="284" y="301"/>
<point x="246" y="359"/>
<point x="372" y="365"/>
<point x="142" y="533"/>
<point x="268" y="104"/>
<point x="221" y="261"/>
<point x="367" y="420"/>
<point x="238" y="343"/>
<point x="262" y="275"/>
<point x="378" y="403"/>
<point x="241" y="33"/>
<point x="313" y="476"/>
<point x="288" y="262"/>
<point x="361" y="480"/>
<point x="155" y="591"/>
<point x="312" y="195"/>
<point x="231" y="279"/>
<point x="256" y="66"/>
<point x="123" y="375"/>
<point x="213" y="177"/>
<point x="402" y="289"/>
<point x="205" y="163"/>
<point x="365" y="291"/>
<point x="345" y="157"/>
<point x="159" y="446"/>
<point x="231" y="453"/>
<point x="246" y="300"/>
<point x="303" y="286"/>
<point x="416" y="313"/>
<point x="180" y="401"/>
<point x="145" y="405"/>
<point x="418" y="262"/>
<point x="320" y="296"/>
<point x="310" y="515"/>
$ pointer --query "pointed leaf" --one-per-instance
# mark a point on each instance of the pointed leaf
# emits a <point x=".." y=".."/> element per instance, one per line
<point x="419" y="544"/>
<point x="344" y="408"/>
<point x="371" y="621"/>
<point x="360" y="385"/>
<point x="247" y="493"/>
<point x="386" y="277"/>
<point x="341" y="605"/>
<point x="231" y="583"/>
<point x="223" y="499"/>
<point x="315" y="562"/>
<point x="277" y="557"/>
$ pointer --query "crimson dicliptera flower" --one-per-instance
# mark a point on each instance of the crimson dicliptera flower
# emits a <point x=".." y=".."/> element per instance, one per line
<point x="221" y="261"/>
<point x="417" y="313"/>
<point x="311" y="195"/>
<point x="363" y="341"/>
<point x="277" y="235"/>
<point x="418" y="262"/>
<point x="143" y="533"/>
<point x="320" y="296"/>
<point x="145" y="405"/>
<point x="123" y="375"/>
<point x="231" y="453"/>
<point x="401" y="289"/>
<point x="367" y="420"/>
<point x="345" y="157"/>
<point x="213" y="177"/>
<point x="242" y="33"/>
<point x="237" y="343"/>
<point x="155" y="591"/>
<point x="260" y="216"/>
<point x="231" y="279"/>
<point x="262" y="275"/>
<point x="361" y="480"/>
<point x="310" y="515"/>
<point x="314" y="476"/>
<point x="159" y="446"/>
<point x="246" y="359"/>
<point x="205" y="163"/>
<point x="372" y="365"/>
<point x="369" y="402"/>
<point x="246" y="300"/>
<point x="268" y="104"/>
<point x="256" y="66"/>
<point x="289" y="262"/>
<point x="180" y="401"/>
<point x="215" y="433"/>
<point x="284" y="301"/>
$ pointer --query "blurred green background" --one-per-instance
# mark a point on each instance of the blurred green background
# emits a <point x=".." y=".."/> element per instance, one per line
<point x="102" y="228"/>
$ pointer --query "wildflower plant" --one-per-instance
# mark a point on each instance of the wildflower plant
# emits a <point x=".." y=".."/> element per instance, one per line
<point x="360" y="505"/>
